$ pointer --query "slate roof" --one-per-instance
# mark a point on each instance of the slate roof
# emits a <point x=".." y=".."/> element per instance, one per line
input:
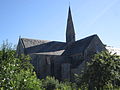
<point x="43" y="46"/>
<point x="32" y="42"/>
<point x="78" y="46"/>
<point x="55" y="47"/>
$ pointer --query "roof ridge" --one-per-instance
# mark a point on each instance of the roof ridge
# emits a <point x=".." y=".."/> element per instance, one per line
<point x="87" y="37"/>
<point x="35" y="39"/>
<point x="82" y="44"/>
<point x="41" y="40"/>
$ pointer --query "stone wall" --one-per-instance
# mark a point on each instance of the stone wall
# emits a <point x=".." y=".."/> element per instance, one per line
<point x="65" y="71"/>
<point x="58" y="61"/>
<point x="43" y="64"/>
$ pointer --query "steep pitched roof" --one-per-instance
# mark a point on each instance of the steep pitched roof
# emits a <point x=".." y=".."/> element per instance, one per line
<point x="78" y="46"/>
<point x="42" y="46"/>
<point x="32" y="42"/>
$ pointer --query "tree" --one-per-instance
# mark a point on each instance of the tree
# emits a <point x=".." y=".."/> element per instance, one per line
<point x="50" y="83"/>
<point x="101" y="72"/>
<point x="16" y="73"/>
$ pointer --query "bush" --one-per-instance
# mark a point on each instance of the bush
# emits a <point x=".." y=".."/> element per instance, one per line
<point x="16" y="73"/>
<point x="103" y="71"/>
<point x="50" y="83"/>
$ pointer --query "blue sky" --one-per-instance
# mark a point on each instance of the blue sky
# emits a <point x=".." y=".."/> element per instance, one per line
<point x="46" y="19"/>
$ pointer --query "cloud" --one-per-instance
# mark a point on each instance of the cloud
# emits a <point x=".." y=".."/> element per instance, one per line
<point x="103" y="12"/>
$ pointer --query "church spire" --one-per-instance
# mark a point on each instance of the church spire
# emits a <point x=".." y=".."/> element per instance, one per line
<point x="70" y="33"/>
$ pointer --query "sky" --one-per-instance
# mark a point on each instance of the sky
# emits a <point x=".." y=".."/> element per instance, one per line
<point x="47" y="19"/>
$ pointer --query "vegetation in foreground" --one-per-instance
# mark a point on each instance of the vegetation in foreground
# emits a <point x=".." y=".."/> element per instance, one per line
<point x="16" y="73"/>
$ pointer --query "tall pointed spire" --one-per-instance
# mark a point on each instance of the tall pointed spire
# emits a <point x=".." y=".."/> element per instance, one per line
<point x="70" y="33"/>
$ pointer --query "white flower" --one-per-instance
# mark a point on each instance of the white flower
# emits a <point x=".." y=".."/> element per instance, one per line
<point x="12" y="71"/>
<point x="3" y="80"/>
<point x="25" y="80"/>
<point x="4" y="68"/>
<point x="11" y="87"/>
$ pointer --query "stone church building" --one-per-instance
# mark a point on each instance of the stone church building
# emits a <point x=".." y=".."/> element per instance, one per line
<point x="60" y="59"/>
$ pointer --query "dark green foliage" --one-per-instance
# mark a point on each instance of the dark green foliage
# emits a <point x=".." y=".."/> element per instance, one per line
<point x="50" y="83"/>
<point x="103" y="71"/>
<point x="16" y="73"/>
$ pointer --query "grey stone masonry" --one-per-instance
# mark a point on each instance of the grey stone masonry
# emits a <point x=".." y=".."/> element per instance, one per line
<point x="65" y="72"/>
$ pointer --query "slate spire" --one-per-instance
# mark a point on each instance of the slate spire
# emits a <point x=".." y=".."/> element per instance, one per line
<point x="70" y="32"/>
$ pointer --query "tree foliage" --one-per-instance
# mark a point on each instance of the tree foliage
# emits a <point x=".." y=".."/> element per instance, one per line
<point x="50" y="83"/>
<point x="103" y="71"/>
<point x="16" y="73"/>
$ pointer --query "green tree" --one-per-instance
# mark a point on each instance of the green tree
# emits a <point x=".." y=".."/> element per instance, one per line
<point x="16" y="73"/>
<point x="103" y="71"/>
<point x="50" y="83"/>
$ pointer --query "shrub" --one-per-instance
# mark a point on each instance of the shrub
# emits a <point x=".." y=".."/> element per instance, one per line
<point x="103" y="71"/>
<point x="50" y="83"/>
<point x="16" y="73"/>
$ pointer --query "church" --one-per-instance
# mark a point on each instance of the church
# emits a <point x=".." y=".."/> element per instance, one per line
<point x="60" y="59"/>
